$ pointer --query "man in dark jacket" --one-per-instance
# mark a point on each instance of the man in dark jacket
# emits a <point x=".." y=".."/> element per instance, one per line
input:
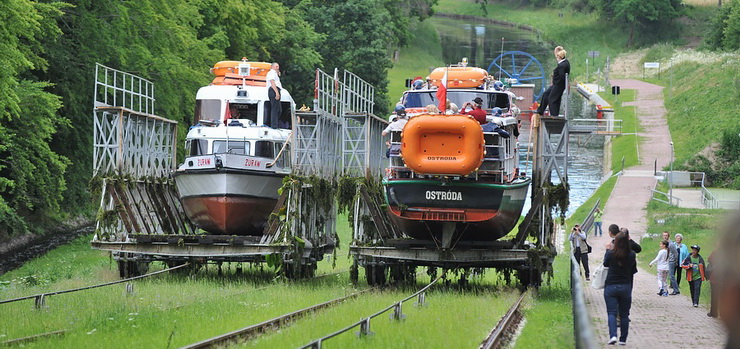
<point x="553" y="95"/>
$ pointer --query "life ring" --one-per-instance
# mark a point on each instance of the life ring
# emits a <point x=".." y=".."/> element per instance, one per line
<point x="459" y="77"/>
<point x="442" y="144"/>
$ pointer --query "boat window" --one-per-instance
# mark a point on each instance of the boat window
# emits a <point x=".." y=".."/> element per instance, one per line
<point x="490" y="99"/>
<point x="207" y="109"/>
<point x="285" y="119"/>
<point x="264" y="149"/>
<point x="231" y="147"/>
<point x="284" y="160"/>
<point x="246" y="111"/>
<point x="196" y="147"/>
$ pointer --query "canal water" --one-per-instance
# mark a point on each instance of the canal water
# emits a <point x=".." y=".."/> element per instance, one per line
<point x="481" y="42"/>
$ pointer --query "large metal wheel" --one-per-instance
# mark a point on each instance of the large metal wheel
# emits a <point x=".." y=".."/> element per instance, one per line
<point x="521" y="66"/>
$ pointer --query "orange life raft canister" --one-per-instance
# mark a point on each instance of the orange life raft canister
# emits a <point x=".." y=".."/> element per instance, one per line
<point x="227" y="73"/>
<point x="459" y="77"/>
<point x="442" y="144"/>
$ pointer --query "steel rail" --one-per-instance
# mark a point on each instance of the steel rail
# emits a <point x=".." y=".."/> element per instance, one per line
<point x="265" y="326"/>
<point x="31" y="338"/>
<point x="365" y="322"/>
<point x="512" y="317"/>
<point x="41" y="295"/>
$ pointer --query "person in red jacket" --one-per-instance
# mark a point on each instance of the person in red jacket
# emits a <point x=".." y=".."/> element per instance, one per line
<point x="477" y="112"/>
<point x="694" y="265"/>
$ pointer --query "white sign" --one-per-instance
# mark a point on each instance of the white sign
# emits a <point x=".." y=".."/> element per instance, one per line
<point x="652" y="64"/>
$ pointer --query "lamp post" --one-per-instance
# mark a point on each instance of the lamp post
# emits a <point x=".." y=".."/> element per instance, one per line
<point x="670" y="179"/>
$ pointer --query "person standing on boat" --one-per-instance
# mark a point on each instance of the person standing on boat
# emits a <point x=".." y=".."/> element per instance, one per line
<point x="553" y="95"/>
<point x="273" y="93"/>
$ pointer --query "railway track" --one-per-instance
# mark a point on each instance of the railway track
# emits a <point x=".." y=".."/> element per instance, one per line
<point x="505" y="328"/>
<point x="272" y="324"/>
<point x="364" y="324"/>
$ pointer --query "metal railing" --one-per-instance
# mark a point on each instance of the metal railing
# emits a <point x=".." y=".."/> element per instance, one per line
<point x="120" y="89"/>
<point x="41" y="297"/>
<point x="596" y="126"/>
<point x="583" y="331"/>
<point x="364" y="324"/>
<point x="588" y="222"/>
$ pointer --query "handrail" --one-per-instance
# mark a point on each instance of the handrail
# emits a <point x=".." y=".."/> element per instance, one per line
<point x="287" y="141"/>
<point x="583" y="332"/>
<point x="365" y="323"/>
<point x="42" y="295"/>
<point x="589" y="220"/>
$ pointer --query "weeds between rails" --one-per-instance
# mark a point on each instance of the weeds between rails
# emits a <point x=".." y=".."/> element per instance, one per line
<point x="505" y="328"/>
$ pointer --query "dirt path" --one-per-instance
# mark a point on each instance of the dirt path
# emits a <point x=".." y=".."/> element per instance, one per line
<point x="656" y="322"/>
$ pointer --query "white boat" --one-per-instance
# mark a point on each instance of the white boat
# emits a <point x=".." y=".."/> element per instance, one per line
<point x="234" y="164"/>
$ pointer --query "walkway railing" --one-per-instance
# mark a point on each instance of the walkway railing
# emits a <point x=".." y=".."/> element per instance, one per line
<point x="583" y="331"/>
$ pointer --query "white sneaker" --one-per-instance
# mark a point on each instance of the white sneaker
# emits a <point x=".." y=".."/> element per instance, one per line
<point x="622" y="343"/>
<point x="612" y="341"/>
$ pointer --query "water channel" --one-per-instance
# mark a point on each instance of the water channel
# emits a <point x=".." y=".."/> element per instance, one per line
<point x="481" y="42"/>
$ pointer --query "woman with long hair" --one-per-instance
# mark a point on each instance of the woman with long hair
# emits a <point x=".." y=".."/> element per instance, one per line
<point x="622" y="264"/>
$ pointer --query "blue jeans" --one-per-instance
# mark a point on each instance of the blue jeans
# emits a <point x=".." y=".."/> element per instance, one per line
<point x="597" y="229"/>
<point x="618" y="298"/>
<point x="672" y="276"/>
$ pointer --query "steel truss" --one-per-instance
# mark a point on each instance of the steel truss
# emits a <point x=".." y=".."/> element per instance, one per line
<point x="133" y="152"/>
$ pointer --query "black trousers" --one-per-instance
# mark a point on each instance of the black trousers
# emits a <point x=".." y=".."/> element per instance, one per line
<point x="275" y="108"/>
<point x="552" y="98"/>
<point x="582" y="258"/>
<point x="695" y="287"/>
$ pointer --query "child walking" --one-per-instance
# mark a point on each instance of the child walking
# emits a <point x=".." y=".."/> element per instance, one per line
<point x="662" y="260"/>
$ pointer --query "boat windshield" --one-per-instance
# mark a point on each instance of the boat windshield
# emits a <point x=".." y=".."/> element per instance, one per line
<point x="231" y="147"/>
<point x="420" y="99"/>
<point x="207" y="109"/>
<point x="196" y="147"/>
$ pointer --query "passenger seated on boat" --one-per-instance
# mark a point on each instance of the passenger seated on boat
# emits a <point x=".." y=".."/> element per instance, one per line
<point x="452" y="108"/>
<point x="399" y="123"/>
<point x="476" y="112"/>
<point x="495" y="127"/>
<point x="432" y="109"/>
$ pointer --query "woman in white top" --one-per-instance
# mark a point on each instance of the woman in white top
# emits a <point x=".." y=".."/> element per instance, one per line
<point x="662" y="260"/>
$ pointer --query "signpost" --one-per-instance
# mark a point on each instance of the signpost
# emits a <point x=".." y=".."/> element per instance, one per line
<point x="651" y="65"/>
<point x="592" y="54"/>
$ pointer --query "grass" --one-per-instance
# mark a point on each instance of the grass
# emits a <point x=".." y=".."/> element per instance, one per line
<point x="697" y="119"/>
<point x="436" y="325"/>
<point x="424" y="51"/>
<point x="624" y="146"/>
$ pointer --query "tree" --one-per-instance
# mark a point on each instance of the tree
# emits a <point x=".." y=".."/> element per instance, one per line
<point x="639" y="13"/>
<point x="31" y="174"/>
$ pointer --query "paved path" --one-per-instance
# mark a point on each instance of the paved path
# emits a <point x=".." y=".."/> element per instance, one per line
<point x="657" y="322"/>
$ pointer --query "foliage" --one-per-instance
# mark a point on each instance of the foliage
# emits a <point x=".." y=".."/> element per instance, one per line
<point x="724" y="32"/>
<point x="359" y="35"/>
<point x="31" y="181"/>
<point x="685" y="106"/>
<point x="638" y="13"/>
<point x="556" y="196"/>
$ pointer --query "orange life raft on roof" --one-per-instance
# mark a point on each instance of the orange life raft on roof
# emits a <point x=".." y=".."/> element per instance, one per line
<point x="236" y="72"/>
<point x="442" y="144"/>
<point x="459" y="77"/>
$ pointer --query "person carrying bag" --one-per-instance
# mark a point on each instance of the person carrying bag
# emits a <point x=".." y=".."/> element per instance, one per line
<point x="580" y="248"/>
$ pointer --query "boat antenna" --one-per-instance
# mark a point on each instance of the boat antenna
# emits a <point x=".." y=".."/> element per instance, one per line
<point x="501" y="63"/>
